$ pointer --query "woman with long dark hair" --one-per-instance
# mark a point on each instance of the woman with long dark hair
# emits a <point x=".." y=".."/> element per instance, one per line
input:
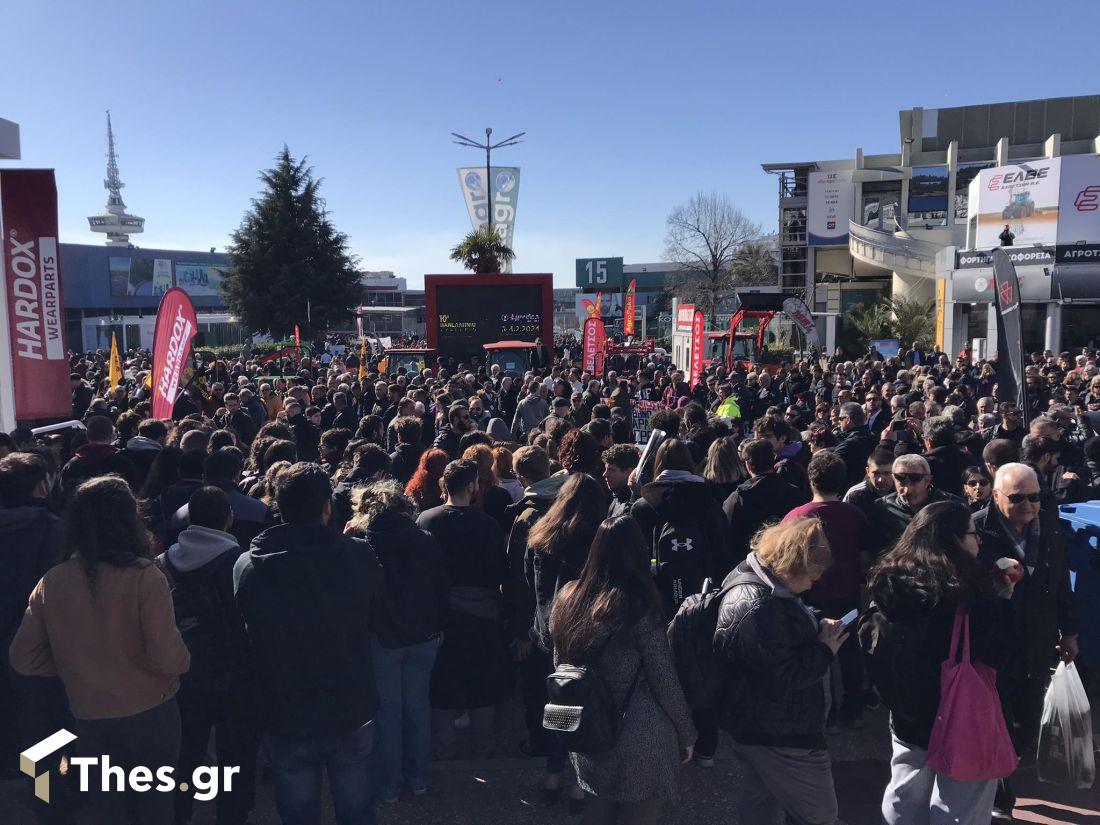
<point x="611" y="619"/>
<point x="103" y="622"/>
<point x="917" y="588"/>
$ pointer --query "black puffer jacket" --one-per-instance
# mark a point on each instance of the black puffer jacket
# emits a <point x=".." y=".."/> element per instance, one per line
<point x="763" y="499"/>
<point x="854" y="447"/>
<point x="769" y="639"/>
<point x="906" y="636"/>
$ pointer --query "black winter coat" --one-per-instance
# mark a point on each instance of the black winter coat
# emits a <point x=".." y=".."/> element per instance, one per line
<point x="32" y="540"/>
<point x="906" y="637"/>
<point x="404" y="460"/>
<point x="948" y="464"/>
<point x="547" y="574"/>
<point x="890" y="516"/>
<point x="756" y="502"/>
<point x="1043" y="606"/>
<point x="777" y="666"/>
<point x="854" y="447"/>
<point x="310" y="599"/>
<point x="415" y="590"/>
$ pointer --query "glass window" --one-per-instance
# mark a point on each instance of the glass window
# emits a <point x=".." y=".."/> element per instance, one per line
<point x="880" y="209"/>
<point x="964" y="175"/>
<point x="928" y="196"/>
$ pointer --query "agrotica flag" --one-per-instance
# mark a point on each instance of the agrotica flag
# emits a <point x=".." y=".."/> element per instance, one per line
<point x="34" y="354"/>
<point x="176" y="326"/>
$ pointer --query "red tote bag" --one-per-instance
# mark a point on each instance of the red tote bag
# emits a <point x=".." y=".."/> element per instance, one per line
<point x="970" y="741"/>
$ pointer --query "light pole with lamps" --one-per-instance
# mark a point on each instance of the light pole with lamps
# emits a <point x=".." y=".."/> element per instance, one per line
<point x="488" y="146"/>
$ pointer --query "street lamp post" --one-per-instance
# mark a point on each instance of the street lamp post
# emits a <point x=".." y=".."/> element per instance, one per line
<point x="488" y="146"/>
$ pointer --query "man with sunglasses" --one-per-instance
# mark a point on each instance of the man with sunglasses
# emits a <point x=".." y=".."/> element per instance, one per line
<point x="1043" y="605"/>
<point x="1011" y="427"/>
<point x="913" y="490"/>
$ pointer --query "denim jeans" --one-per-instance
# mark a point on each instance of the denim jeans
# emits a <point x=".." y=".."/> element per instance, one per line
<point x="402" y="675"/>
<point x="296" y="767"/>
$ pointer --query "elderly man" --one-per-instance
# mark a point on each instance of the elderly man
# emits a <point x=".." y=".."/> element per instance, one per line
<point x="854" y="441"/>
<point x="913" y="489"/>
<point x="1043" y="605"/>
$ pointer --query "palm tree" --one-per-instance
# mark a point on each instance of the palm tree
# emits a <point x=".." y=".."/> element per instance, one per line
<point x="871" y="321"/>
<point x="914" y="321"/>
<point x="482" y="251"/>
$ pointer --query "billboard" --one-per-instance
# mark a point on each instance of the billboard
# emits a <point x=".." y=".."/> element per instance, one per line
<point x="31" y="272"/>
<point x="464" y="312"/>
<point x="144" y="277"/>
<point x="505" y="197"/>
<point x="1023" y="196"/>
<point x="830" y="205"/>
<point x="199" y="280"/>
<point x="1079" y="210"/>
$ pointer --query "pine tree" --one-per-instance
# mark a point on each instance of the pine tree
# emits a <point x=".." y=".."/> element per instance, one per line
<point x="287" y="255"/>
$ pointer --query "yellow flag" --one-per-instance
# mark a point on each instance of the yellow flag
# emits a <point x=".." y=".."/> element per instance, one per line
<point x="384" y="366"/>
<point x="115" y="371"/>
<point x="363" y="360"/>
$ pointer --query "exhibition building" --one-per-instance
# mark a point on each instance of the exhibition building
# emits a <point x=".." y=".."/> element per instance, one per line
<point x="920" y="222"/>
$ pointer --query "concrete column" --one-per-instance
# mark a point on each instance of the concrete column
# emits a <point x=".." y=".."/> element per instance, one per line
<point x="1052" y="148"/>
<point x="915" y="288"/>
<point x="830" y="334"/>
<point x="1052" y="339"/>
<point x="1002" y="152"/>
<point x="952" y="165"/>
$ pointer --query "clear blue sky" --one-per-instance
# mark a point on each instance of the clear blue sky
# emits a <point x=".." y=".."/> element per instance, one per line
<point x="630" y="107"/>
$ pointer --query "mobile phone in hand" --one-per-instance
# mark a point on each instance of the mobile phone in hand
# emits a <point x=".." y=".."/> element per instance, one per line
<point x="849" y="617"/>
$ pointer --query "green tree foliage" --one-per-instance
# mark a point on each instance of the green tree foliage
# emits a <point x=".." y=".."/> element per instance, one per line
<point x="903" y="318"/>
<point x="482" y="251"/>
<point x="287" y="256"/>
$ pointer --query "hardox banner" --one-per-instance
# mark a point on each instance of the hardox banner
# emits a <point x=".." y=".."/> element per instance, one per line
<point x="31" y="270"/>
<point x="176" y="326"/>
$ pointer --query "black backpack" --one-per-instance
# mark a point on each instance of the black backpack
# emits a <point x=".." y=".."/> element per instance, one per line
<point x="581" y="709"/>
<point x="703" y="674"/>
<point x="677" y="559"/>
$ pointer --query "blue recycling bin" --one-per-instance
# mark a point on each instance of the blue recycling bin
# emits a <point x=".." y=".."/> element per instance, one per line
<point x="1082" y="523"/>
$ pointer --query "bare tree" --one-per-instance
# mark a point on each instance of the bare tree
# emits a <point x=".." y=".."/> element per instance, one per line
<point x="704" y="238"/>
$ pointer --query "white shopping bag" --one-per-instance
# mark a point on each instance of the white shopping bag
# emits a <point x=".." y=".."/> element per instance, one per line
<point x="1065" y="737"/>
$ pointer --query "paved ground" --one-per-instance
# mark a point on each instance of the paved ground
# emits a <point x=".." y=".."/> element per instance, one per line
<point x="507" y="791"/>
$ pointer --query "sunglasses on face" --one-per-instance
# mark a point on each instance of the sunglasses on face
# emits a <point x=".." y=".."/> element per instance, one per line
<point x="978" y="482"/>
<point x="1019" y="498"/>
<point x="909" y="478"/>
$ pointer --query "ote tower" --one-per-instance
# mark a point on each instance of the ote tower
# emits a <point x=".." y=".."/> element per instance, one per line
<point x="115" y="222"/>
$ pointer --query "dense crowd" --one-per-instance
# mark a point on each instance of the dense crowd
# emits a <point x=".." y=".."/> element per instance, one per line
<point x="343" y="569"/>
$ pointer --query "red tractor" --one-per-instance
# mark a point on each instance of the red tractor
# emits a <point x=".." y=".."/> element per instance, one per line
<point x="747" y="349"/>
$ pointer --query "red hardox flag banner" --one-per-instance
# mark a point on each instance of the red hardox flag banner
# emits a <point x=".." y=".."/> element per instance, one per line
<point x="698" y="327"/>
<point x="628" y="307"/>
<point x="176" y="326"/>
<point x="31" y="269"/>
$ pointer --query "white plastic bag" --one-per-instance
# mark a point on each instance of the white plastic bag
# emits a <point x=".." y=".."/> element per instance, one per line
<point x="1065" y="738"/>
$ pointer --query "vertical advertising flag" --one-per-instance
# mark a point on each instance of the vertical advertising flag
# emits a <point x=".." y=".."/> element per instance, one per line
<point x="1011" y="383"/>
<point x="297" y="336"/>
<point x="593" y="346"/>
<point x="797" y="311"/>
<point x="629" y="307"/>
<point x="33" y="358"/>
<point x="505" y="197"/>
<point x="114" y="372"/>
<point x="698" y="327"/>
<point x="176" y="326"/>
<point x="363" y="360"/>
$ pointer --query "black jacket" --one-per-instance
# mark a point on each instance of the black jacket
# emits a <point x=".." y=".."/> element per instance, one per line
<point x="92" y="461"/>
<point x="948" y="464"/>
<point x="547" y="574"/>
<point x="690" y="503"/>
<point x="890" y="516"/>
<point x="1043" y="606"/>
<point x="447" y="441"/>
<point x="777" y="666"/>
<point x="307" y="436"/>
<point x="519" y="598"/>
<point x="756" y="502"/>
<point x="310" y="598"/>
<point x="906" y="637"/>
<point x="32" y="540"/>
<point x="415" y="590"/>
<point x="404" y="460"/>
<point x="854" y="447"/>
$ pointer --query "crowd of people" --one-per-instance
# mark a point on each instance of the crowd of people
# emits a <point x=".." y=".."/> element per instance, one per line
<point x="350" y="572"/>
